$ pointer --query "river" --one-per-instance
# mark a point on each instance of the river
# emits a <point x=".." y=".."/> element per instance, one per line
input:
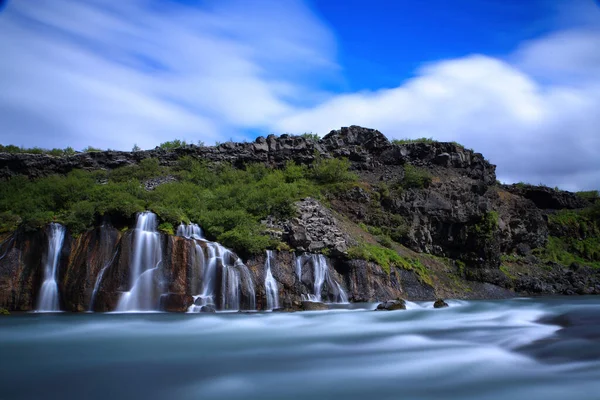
<point x="509" y="349"/>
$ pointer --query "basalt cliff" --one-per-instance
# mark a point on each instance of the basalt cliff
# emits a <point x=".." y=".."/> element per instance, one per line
<point x="424" y="220"/>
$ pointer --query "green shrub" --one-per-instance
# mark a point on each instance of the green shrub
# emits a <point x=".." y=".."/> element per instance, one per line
<point x="91" y="149"/>
<point x="332" y="170"/>
<point x="590" y="195"/>
<point x="415" y="178"/>
<point x="173" y="144"/>
<point x="167" y="228"/>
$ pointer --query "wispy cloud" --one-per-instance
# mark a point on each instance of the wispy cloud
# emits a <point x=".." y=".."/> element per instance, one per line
<point x="116" y="73"/>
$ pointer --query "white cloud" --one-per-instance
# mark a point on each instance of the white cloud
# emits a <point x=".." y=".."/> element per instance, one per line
<point x="534" y="129"/>
<point x="114" y="74"/>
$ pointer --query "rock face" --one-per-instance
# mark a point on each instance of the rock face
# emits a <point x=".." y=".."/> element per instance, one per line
<point x="313" y="230"/>
<point x="94" y="270"/>
<point x="459" y="212"/>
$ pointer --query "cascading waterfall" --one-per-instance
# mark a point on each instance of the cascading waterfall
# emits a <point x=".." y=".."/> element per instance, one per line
<point x="190" y="231"/>
<point x="222" y="276"/>
<point x="321" y="274"/>
<point x="143" y="294"/>
<point x="270" y="284"/>
<point x="99" y="281"/>
<point x="48" y="300"/>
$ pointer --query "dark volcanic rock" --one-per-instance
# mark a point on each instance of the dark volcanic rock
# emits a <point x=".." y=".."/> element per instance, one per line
<point x="391" y="305"/>
<point x="547" y="198"/>
<point x="208" y="309"/>
<point x="439" y="303"/>
<point x="176" y="302"/>
<point x="314" y="306"/>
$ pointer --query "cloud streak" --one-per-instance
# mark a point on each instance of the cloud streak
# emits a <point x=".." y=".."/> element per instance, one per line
<point x="114" y="74"/>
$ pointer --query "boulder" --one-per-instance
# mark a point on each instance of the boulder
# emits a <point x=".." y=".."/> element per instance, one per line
<point x="209" y="308"/>
<point x="439" y="303"/>
<point x="391" y="305"/>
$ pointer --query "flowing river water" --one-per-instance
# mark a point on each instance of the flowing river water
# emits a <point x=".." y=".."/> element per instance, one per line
<point x="510" y="349"/>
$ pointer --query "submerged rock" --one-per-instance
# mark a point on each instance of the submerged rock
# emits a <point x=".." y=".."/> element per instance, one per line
<point x="314" y="306"/>
<point x="209" y="308"/>
<point x="439" y="303"/>
<point x="391" y="305"/>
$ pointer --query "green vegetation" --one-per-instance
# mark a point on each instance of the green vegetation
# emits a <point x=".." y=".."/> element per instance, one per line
<point x="387" y="258"/>
<point x="228" y="203"/>
<point x="411" y="141"/>
<point x="173" y="144"/>
<point x="575" y="237"/>
<point x="4" y="311"/>
<point x="590" y="195"/>
<point x="310" y="135"/>
<point x="487" y="225"/>
<point x="423" y="140"/>
<point x="506" y="272"/>
<point x="37" y="150"/>
<point x="415" y="178"/>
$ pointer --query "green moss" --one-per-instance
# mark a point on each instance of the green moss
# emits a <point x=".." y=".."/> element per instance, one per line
<point x="4" y="311"/>
<point x="506" y="272"/>
<point x="487" y="225"/>
<point x="387" y="258"/>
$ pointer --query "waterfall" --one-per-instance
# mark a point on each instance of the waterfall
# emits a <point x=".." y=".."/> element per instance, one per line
<point x="270" y="284"/>
<point x="190" y="231"/>
<point x="146" y="259"/>
<point x="321" y="275"/>
<point x="48" y="300"/>
<point x="99" y="281"/>
<point x="220" y="279"/>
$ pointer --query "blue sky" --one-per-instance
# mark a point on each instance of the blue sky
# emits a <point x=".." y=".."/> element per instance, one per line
<point x="518" y="81"/>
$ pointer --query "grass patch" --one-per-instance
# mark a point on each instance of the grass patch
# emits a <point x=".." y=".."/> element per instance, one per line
<point x="388" y="258"/>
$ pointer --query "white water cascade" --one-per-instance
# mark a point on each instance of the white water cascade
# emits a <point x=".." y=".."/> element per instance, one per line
<point x="270" y="284"/>
<point x="143" y="294"/>
<point x="190" y="231"/>
<point x="48" y="300"/>
<point x="321" y="275"/>
<point x="220" y="278"/>
<point x="99" y="281"/>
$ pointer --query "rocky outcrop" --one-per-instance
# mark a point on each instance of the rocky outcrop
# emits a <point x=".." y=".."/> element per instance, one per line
<point x="314" y="230"/>
<point x="546" y="198"/>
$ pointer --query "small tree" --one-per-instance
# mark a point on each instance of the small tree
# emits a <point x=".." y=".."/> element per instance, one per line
<point x="136" y="148"/>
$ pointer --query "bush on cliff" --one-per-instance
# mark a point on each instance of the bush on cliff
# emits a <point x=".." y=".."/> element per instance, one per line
<point x="228" y="202"/>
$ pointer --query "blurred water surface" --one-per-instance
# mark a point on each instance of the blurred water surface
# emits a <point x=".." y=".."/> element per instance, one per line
<point x="511" y="349"/>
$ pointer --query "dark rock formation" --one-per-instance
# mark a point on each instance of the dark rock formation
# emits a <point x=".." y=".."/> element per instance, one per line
<point x="547" y="198"/>
<point x="460" y="213"/>
<point x="176" y="302"/>
<point x="439" y="303"/>
<point x="391" y="305"/>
